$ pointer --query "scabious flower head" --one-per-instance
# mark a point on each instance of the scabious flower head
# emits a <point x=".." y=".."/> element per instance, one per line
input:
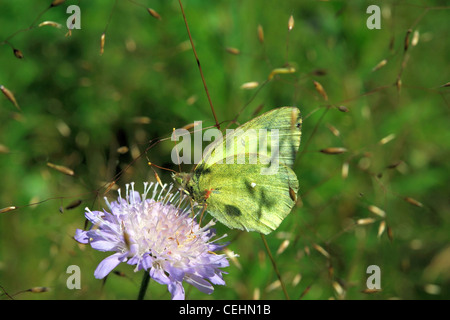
<point x="157" y="234"/>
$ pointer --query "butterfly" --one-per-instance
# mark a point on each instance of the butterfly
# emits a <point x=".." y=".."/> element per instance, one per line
<point x="246" y="179"/>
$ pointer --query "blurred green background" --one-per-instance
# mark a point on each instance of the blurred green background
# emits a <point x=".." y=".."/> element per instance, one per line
<point x="78" y="107"/>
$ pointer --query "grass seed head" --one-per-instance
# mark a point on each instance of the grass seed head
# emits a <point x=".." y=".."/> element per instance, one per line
<point x="154" y="14"/>
<point x="291" y="23"/>
<point x="321" y="90"/>
<point x="260" y="33"/>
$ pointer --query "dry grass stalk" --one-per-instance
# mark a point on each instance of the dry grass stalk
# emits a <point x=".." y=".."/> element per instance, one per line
<point x="39" y="289"/>
<point x="406" y="44"/>
<point x="61" y="169"/>
<point x="365" y="221"/>
<point x="102" y="43"/>
<point x="414" y="202"/>
<point x="333" y="130"/>
<point x="381" y="228"/>
<point x="280" y="71"/>
<point x="10" y="96"/>
<point x="343" y="109"/>
<point x="321" y="90"/>
<point x="344" y="170"/>
<point x="249" y="85"/>
<point x="292" y="194"/>
<point x="283" y="246"/>
<point x="390" y="234"/>
<point x="321" y="250"/>
<point x="291" y="23"/>
<point x="110" y="186"/>
<point x="415" y="38"/>
<point x="50" y="23"/>
<point x="122" y="149"/>
<point x="18" y="53"/>
<point x="74" y="204"/>
<point x="154" y="14"/>
<point x="234" y="51"/>
<point x="56" y="3"/>
<point x="142" y="120"/>
<point x="380" y="65"/>
<point x="7" y="209"/>
<point x="260" y="33"/>
<point x="333" y="150"/>
<point x="375" y="210"/>
<point x="387" y="139"/>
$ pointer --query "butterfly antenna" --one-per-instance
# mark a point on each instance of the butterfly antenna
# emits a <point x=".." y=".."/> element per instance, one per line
<point x="199" y="66"/>
<point x="162" y="168"/>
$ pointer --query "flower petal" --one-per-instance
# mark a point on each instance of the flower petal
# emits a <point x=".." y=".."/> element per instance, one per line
<point x="147" y="261"/>
<point x="200" y="283"/>
<point x="159" y="276"/>
<point x="104" y="245"/>
<point x="91" y="216"/>
<point x="176" y="290"/>
<point x="217" y="279"/>
<point x="107" y="265"/>
<point x="175" y="273"/>
<point x="159" y="235"/>
<point x="81" y="236"/>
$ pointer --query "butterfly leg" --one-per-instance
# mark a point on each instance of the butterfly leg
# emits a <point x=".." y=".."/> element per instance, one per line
<point x="207" y="194"/>
<point x="201" y="215"/>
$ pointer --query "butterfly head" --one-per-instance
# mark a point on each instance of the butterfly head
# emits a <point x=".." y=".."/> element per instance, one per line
<point x="182" y="179"/>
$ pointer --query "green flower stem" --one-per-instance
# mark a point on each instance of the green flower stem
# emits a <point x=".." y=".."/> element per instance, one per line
<point x="144" y="285"/>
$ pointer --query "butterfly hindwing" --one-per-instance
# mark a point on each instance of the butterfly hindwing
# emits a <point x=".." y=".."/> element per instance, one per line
<point x="242" y="198"/>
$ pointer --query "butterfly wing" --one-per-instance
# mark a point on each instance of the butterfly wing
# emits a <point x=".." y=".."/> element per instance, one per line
<point x="288" y="122"/>
<point x="241" y="197"/>
<point x="260" y="133"/>
<point x="238" y="193"/>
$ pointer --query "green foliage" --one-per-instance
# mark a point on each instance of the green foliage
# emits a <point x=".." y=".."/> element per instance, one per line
<point x="78" y="107"/>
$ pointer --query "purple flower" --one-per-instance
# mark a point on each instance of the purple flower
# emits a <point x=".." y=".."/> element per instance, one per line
<point x="158" y="235"/>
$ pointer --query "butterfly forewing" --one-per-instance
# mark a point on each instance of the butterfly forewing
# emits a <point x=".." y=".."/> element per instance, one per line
<point x="275" y="134"/>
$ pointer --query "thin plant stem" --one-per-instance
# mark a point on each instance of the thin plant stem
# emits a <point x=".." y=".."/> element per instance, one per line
<point x="144" y="285"/>
<point x="199" y="67"/>
<point x="275" y="266"/>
